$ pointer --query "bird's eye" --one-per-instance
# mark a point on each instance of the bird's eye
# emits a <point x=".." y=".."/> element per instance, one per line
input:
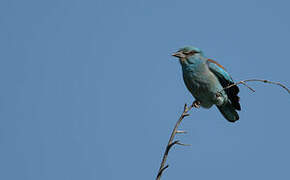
<point x="189" y="52"/>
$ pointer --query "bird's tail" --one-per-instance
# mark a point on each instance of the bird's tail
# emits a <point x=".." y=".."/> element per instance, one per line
<point x="229" y="112"/>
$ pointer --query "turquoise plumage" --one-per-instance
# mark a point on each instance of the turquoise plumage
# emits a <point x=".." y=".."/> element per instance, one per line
<point x="205" y="78"/>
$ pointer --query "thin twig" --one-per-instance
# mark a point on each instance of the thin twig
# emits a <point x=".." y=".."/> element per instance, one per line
<point x="161" y="171"/>
<point x="181" y="144"/>
<point x="242" y="82"/>
<point x="257" y="80"/>
<point x="170" y="143"/>
<point x="180" y="132"/>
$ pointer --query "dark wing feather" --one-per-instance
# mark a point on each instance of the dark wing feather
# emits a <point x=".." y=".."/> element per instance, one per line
<point x="225" y="80"/>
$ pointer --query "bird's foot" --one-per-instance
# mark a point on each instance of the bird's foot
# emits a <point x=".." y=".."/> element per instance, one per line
<point x="218" y="94"/>
<point x="196" y="104"/>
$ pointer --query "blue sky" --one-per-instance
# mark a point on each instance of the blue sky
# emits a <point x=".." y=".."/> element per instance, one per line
<point x="89" y="89"/>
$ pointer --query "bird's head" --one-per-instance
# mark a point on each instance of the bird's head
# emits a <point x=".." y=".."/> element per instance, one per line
<point x="186" y="52"/>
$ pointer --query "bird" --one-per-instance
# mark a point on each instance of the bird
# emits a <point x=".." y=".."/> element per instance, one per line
<point x="207" y="80"/>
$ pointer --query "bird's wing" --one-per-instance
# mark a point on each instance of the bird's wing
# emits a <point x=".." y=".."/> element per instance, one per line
<point x="225" y="79"/>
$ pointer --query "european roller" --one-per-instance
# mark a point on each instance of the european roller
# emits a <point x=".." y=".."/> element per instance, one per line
<point x="206" y="80"/>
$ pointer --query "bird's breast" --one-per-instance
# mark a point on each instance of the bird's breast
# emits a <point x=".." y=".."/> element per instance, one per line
<point x="197" y="82"/>
<point x="202" y="84"/>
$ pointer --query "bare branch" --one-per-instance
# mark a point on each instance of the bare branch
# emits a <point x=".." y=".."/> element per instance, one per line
<point x="171" y="142"/>
<point x="242" y="82"/>
<point x="181" y="144"/>
<point x="257" y="80"/>
<point x="180" y="132"/>
<point x="161" y="171"/>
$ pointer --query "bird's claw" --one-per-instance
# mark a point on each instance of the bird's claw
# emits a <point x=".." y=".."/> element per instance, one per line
<point x="196" y="104"/>
<point x="218" y="94"/>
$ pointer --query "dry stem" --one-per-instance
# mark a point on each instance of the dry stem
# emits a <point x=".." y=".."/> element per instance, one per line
<point x="171" y="143"/>
<point x="257" y="80"/>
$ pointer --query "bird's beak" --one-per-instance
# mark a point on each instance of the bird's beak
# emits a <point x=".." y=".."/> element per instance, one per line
<point x="178" y="55"/>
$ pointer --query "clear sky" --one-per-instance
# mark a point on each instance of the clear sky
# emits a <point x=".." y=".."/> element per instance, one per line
<point x="89" y="89"/>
